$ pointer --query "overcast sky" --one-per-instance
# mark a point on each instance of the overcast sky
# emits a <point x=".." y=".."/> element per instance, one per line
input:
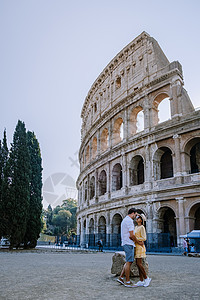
<point x="53" y="50"/>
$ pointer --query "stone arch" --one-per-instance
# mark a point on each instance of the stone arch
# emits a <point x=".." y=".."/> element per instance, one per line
<point x="160" y="110"/>
<point x="92" y="187"/>
<point x="102" y="229"/>
<point x="94" y="147"/>
<point x="134" y="123"/>
<point x="87" y="155"/>
<point x="136" y="170"/>
<point x="118" y="131"/>
<point x="117" y="177"/>
<point x="167" y="225"/>
<point x="104" y="139"/>
<point x="191" y="160"/>
<point x="194" y="216"/>
<point x="162" y="163"/>
<point x="116" y="230"/>
<point x="102" y="183"/>
<point x="86" y="190"/>
<point x="91" y="233"/>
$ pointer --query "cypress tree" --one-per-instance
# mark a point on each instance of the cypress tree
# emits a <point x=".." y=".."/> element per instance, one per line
<point x="4" y="227"/>
<point x="35" y="208"/>
<point x="18" y="203"/>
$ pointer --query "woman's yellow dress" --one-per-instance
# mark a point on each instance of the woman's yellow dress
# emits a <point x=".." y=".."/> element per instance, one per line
<point x="140" y="233"/>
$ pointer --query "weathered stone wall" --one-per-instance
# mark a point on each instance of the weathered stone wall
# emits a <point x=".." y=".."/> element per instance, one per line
<point x="137" y="80"/>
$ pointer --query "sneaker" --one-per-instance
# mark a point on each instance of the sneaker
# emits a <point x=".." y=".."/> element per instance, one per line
<point x="120" y="280"/>
<point x="128" y="284"/>
<point x="139" y="283"/>
<point x="147" y="281"/>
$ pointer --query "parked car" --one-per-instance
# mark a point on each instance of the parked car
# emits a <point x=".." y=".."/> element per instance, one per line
<point x="5" y="242"/>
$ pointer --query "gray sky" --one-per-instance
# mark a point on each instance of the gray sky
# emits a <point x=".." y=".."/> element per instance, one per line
<point x="53" y="50"/>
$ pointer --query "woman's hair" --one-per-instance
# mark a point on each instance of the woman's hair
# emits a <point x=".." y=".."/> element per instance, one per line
<point x="142" y="218"/>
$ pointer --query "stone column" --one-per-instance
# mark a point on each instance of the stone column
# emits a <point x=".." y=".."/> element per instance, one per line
<point x="108" y="229"/>
<point x="88" y="189"/>
<point x="147" y="169"/>
<point x="146" y="110"/>
<point x="96" y="186"/>
<point x="125" y="129"/>
<point x="177" y="160"/>
<point x="98" y="142"/>
<point x="110" y="135"/>
<point x="124" y="172"/>
<point x="82" y="233"/>
<point x="87" y="232"/>
<point x="108" y="187"/>
<point x="180" y="221"/>
<point x="174" y="98"/>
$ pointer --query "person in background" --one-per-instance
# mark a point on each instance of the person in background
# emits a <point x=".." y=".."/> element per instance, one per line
<point x="185" y="247"/>
<point x="192" y="248"/>
<point x="140" y="251"/>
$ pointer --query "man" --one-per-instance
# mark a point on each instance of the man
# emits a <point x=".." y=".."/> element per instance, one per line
<point x="128" y="243"/>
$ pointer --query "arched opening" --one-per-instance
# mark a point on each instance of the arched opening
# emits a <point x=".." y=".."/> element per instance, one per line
<point x="102" y="229"/>
<point x="136" y="170"/>
<point x="136" y="120"/>
<point x="194" y="217"/>
<point x="102" y="183"/>
<point x="195" y="158"/>
<point x="166" y="165"/>
<point x="164" y="112"/>
<point x="104" y="139"/>
<point x="118" y="131"/>
<point x="118" y="82"/>
<point x="116" y="230"/>
<point x="117" y="177"/>
<point x="161" y="109"/>
<point x="91" y="233"/>
<point x="140" y="121"/>
<point x="87" y="156"/>
<point x="92" y="187"/>
<point x="192" y="156"/>
<point x="86" y="190"/>
<point x="167" y="227"/>
<point x="94" y="147"/>
<point x="163" y="164"/>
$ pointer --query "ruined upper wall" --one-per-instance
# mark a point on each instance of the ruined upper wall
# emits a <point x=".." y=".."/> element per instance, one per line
<point x="140" y="65"/>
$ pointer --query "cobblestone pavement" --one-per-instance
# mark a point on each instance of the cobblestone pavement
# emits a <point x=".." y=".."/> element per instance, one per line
<point x="49" y="274"/>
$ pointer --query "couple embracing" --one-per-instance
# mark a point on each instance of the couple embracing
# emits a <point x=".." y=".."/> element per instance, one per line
<point x="133" y="243"/>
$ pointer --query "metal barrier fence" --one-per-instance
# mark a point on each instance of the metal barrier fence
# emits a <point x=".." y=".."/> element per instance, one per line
<point x="160" y="242"/>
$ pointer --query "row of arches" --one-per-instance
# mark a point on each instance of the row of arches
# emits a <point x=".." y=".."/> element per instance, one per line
<point x="162" y="167"/>
<point x="166" y="234"/>
<point x="136" y="124"/>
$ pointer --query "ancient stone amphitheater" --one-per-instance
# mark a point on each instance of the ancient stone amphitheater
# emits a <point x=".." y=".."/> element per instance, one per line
<point x="130" y="156"/>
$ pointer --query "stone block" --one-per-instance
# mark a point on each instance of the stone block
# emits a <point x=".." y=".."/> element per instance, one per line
<point x="118" y="261"/>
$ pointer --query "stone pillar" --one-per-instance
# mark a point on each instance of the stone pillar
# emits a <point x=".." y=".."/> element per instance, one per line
<point x="110" y="135"/>
<point x="147" y="169"/>
<point x="181" y="226"/>
<point x="175" y="97"/>
<point x="125" y="128"/>
<point x="87" y="232"/>
<point x="98" y="142"/>
<point x="82" y="237"/>
<point x="124" y="172"/>
<point x="108" y="229"/>
<point x="177" y="160"/>
<point x="96" y="186"/>
<point x="88" y="189"/>
<point x="108" y="188"/>
<point x="146" y="110"/>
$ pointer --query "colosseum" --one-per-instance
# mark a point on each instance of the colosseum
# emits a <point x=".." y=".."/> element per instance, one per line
<point x="131" y="157"/>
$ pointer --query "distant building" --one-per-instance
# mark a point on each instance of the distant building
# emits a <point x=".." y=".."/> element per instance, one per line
<point x="128" y="158"/>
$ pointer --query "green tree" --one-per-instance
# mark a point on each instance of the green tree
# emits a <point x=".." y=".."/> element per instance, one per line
<point x="4" y="178"/>
<point x="62" y="220"/>
<point x="34" y="223"/>
<point x="18" y="203"/>
<point x="71" y="205"/>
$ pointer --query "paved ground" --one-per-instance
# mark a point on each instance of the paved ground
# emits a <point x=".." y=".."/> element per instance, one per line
<point x="42" y="274"/>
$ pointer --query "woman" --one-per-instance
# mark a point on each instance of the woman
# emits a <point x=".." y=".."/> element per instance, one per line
<point x="140" y="251"/>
